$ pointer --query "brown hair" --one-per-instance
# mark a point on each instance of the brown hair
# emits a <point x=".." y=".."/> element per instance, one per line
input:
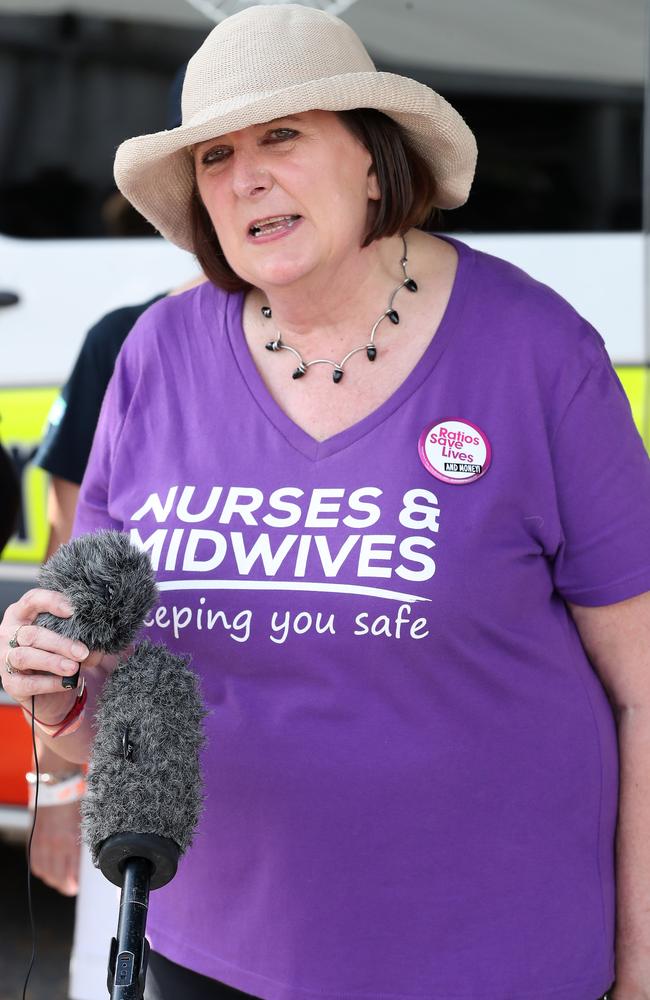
<point x="407" y="188"/>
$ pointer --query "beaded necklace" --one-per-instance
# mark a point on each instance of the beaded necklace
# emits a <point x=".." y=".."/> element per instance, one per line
<point x="370" y="347"/>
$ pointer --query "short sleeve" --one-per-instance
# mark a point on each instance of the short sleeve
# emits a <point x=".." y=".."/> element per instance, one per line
<point x="602" y="474"/>
<point x="66" y="444"/>
<point x="64" y="449"/>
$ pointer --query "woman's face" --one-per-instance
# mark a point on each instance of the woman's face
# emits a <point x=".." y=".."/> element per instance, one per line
<point x="288" y="197"/>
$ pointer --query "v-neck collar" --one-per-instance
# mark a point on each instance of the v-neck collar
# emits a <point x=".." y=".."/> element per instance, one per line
<point x="298" y="438"/>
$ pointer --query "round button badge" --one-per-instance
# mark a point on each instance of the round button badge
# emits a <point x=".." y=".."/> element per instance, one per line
<point x="455" y="451"/>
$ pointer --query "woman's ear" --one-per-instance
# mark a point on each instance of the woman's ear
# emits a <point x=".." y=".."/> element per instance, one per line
<point x="374" y="193"/>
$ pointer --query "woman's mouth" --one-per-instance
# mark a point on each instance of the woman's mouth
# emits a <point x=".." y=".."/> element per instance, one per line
<point x="272" y="226"/>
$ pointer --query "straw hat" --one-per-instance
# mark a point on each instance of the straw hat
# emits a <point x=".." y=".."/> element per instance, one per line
<point x="274" y="60"/>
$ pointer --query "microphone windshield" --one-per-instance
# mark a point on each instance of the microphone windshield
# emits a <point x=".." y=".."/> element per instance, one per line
<point x="109" y="583"/>
<point x="144" y="775"/>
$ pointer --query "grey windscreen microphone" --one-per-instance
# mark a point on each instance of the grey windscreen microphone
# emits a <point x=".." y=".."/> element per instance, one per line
<point x="144" y="786"/>
<point x="110" y="585"/>
<point x="144" y="775"/>
<point x="144" y="793"/>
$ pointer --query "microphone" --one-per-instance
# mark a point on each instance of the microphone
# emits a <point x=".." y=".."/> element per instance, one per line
<point x="110" y="584"/>
<point x="144" y="793"/>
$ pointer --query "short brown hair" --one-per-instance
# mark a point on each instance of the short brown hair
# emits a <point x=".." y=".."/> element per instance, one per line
<point x="407" y="188"/>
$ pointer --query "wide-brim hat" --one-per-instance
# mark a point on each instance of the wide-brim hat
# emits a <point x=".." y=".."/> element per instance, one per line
<point x="274" y="60"/>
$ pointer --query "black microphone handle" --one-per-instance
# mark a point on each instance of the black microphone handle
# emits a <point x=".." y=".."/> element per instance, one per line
<point x="138" y="862"/>
<point x="127" y="964"/>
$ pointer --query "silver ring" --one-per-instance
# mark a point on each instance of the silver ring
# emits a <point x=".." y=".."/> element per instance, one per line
<point x="8" y="666"/>
<point x="13" y="642"/>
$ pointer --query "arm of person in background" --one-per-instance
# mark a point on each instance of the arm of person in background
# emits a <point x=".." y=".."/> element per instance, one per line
<point x="61" y="505"/>
<point x="616" y="638"/>
<point x="55" y="852"/>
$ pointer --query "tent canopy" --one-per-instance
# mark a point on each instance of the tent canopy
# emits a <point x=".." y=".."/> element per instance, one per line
<point x="598" y="42"/>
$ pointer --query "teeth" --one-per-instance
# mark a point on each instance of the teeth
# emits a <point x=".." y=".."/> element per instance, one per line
<point x="257" y="227"/>
<point x="275" y="218"/>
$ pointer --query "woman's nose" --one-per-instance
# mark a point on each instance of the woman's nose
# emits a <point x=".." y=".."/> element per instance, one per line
<point x="249" y="177"/>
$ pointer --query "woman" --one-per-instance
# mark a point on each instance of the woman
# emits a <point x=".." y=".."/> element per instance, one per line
<point x="397" y="550"/>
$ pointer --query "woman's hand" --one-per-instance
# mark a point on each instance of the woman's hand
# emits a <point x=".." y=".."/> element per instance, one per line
<point x="41" y="659"/>
<point x="56" y="847"/>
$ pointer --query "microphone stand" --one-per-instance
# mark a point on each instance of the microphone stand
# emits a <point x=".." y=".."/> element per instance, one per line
<point x="129" y="955"/>
<point x="138" y="862"/>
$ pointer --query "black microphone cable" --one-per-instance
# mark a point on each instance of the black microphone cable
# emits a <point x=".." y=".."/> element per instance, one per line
<point x="30" y="907"/>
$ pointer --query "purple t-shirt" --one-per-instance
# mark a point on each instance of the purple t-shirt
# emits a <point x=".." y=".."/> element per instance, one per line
<point x="411" y="774"/>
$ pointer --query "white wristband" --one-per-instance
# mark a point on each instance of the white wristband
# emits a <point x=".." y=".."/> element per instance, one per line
<point x="59" y="793"/>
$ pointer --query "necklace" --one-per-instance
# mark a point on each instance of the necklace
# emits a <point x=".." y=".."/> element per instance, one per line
<point x="370" y="347"/>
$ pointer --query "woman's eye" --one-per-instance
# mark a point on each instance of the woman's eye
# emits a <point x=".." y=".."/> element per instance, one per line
<point x="284" y="133"/>
<point x="214" y="156"/>
<point x="219" y="153"/>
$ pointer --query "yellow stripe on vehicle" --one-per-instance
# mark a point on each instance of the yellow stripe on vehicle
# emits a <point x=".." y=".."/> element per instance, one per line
<point x="635" y="379"/>
<point x="23" y="415"/>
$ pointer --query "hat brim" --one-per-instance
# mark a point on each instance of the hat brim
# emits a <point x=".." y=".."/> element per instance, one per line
<point x="155" y="173"/>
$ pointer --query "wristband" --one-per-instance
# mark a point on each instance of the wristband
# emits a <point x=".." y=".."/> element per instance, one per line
<point x="72" y="720"/>
<point x="55" y="793"/>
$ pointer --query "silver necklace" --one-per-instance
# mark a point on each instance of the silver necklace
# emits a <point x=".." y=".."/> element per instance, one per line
<point x="370" y="347"/>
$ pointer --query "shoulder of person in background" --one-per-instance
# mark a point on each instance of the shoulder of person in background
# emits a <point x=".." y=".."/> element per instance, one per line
<point x="73" y="416"/>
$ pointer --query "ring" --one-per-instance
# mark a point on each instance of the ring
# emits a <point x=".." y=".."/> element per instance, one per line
<point x="13" y="642"/>
<point x="8" y="666"/>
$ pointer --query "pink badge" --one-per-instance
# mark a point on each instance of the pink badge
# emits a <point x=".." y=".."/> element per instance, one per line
<point x="455" y="451"/>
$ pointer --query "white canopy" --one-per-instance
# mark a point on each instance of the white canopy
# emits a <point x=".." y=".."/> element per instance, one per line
<point x="592" y="41"/>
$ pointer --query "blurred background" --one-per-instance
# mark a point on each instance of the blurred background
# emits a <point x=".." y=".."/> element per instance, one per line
<point x="557" y="94"/>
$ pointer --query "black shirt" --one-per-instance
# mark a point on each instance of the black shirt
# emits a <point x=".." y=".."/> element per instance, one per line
<point x="73" y="417"/>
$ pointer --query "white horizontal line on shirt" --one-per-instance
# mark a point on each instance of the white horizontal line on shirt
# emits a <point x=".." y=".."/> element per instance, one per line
<point x="326" y="588"/>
